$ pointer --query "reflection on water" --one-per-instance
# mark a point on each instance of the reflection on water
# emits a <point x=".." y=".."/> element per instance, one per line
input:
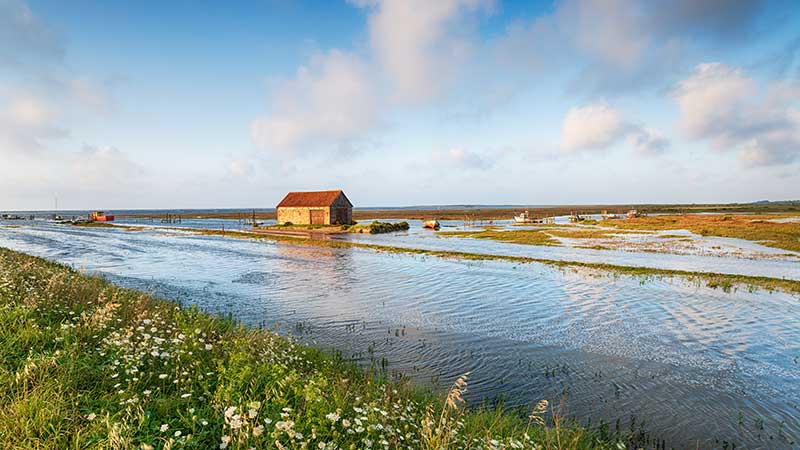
<point x="697" y="364"/>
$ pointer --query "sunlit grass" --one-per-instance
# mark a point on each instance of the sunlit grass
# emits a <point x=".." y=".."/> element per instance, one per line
<point x="86" y="364"/>
<point x="759" y="228"/>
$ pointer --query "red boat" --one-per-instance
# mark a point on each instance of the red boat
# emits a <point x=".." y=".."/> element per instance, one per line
<point x="100" y="216"/>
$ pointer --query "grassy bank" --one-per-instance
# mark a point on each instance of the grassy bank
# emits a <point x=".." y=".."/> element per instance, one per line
<point x="86" y="364"/>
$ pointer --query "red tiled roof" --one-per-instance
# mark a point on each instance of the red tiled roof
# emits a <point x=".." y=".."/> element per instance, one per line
<point x="300" y="199"/>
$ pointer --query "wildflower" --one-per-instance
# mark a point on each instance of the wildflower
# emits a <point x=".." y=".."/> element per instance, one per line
<point x="162" y="376"/>
<point x="164" y="427"/>
<point x="225" y="440"/>
<point x="230" y="411"/>
<point x="252" y="413"/>
<point x="204" y="422"/>
<point x="91" y="416"/>
<point x="177" y="433"/>
<point x="186" y="395"/>
<point x="209" y="347"/>
<point x="236" y="423"/>
<point x="258" y="431"/>
<point x="267" y="421"/>
<point x="345" y="423"/>
<point x="191" y="410"/>
<point x="333" y="417"/>
<point x="147" y="392"/>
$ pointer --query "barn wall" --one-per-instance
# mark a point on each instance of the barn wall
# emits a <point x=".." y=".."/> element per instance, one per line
<point x="341" y="202"/>
<point x="301" y="215"/>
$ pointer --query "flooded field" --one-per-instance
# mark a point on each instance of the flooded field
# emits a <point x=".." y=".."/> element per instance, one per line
<point x="691" y="365"/>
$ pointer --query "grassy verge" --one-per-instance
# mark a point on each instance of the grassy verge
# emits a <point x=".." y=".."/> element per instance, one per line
<point x="86" y="364"/>
<point x="760" y="229"/>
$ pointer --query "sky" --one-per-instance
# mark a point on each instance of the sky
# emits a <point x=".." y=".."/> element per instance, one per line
<point x="207" y="104"/>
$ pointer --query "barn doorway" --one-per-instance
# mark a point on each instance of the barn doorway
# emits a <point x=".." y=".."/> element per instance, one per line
<point x="317" y="217"/>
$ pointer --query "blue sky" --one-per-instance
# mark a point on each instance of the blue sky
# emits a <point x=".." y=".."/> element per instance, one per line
<point x="399" y="102"/>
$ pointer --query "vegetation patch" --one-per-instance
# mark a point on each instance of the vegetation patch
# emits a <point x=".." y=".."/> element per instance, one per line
<point x="87" y="364"/>
<point x="376" y="227"/>
<point x="529" y="237"/>
<point x="761" y="229"/>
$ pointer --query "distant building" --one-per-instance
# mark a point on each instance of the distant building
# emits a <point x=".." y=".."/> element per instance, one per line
<point x="315" y="208"/>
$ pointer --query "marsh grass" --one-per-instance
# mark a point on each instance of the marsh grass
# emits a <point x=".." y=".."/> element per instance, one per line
<point x="86" y="364"/>
<point x="528" y="237"/>
<point x="757" y="228"/>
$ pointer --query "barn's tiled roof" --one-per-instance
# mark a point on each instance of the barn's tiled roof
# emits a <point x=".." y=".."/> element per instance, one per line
<point x="300" y="199"/>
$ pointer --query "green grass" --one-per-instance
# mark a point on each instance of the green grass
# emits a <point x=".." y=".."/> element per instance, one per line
<point x="528" y="237"/>
<point x="89" y="365"/>
<point x="376" y="227"/>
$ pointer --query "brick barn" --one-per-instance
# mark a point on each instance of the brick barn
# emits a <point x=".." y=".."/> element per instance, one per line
<point x="315" y="208"/>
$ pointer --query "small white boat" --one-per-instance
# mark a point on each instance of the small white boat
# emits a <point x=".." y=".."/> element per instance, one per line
<point x="524" y="217"/>
<point x="432" y="224"/>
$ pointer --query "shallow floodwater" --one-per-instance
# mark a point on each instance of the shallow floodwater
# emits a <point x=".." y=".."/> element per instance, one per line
<point x="698" y="365"/>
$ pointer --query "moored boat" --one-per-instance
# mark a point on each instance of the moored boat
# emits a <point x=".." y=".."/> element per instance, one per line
<point x="100" y="216"/>
<point x="432" y="224"/>
<point x="523" y="217"/>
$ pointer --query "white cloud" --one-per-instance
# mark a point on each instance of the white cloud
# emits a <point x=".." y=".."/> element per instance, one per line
<point x="721" y="104"/>
<point x="420" y="44"/>
<point x="598" y="126"/>
<point x="330" y="102"/>
<point x="462" y="159"/>
<point x="26" y="121"/>
<point x="591" y="127"/>
<point x="647" y="141"/>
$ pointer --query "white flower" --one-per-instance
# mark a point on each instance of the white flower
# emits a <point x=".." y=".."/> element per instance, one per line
<point x="333" y="417"/>
<point x="258" y="431"/>
<point x="209" y="346"/>
<point x="147" y="392"/>
<point x="186" y="395"/>
<point x="91" y="416"/>
<point x="345" y="423"/>
<point x="162" y="376"/>
<point x="204" y="422"/>
<point x="236" y="423"/>
<point x="177" y="433"/>
<point x="252" y="413"/>
<point x="164" y="427"/>
<point x="230" y="411"/>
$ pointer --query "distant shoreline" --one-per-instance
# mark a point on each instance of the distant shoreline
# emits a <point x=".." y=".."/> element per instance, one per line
<point x="447" y="212"/>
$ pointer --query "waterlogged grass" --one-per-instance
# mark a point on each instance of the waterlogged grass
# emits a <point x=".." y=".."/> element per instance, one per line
<point x="529" y="237"/>
<point x="727" y="282"/>
<point x="86" y="364"/>
<point x="761" y="229"/>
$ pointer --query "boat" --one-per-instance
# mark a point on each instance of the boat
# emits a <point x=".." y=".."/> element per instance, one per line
<point x="606" y="216"/>
<point x="576" y="218"/>
<point x="525" y="217"/>
<point x="432" y="224"/>
<point x="100" y="216"/>
<point x="634" y="213"/>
